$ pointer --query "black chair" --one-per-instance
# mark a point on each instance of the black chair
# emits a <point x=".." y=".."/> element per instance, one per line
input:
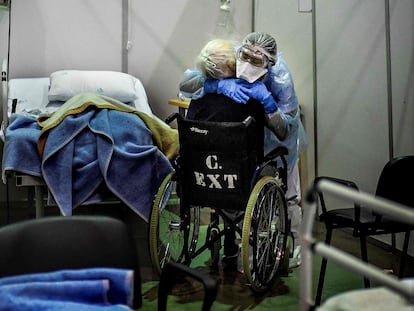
<point x="174" y="271"/>
<point x="56" y="243"/>
<point x="393" y="185"/>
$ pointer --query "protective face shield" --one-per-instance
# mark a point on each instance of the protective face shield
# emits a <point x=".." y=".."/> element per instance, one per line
<point x="253" y="55"/>
<point x="248" y="72"/>
<point x="252" y="63"/>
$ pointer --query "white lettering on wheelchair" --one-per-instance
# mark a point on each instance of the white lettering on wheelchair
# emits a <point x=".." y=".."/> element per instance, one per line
<point x="199" y="178"/>
<point x="198" y="130"/>
<point x="230" y="179"/>
<point x="207" y="179"/>
<point x="212" y="163"/>
<point x="215" y="181"/>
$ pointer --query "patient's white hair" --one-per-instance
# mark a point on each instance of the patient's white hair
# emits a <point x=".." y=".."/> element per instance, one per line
<point x="217" y="59"/>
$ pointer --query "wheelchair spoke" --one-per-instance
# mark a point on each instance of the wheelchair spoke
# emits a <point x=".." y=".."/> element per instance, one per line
<point x="171" y="239"/>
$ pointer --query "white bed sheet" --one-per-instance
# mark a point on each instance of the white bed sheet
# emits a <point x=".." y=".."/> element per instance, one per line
<point x="32" y="96"/>
<point x="374" y="299"/>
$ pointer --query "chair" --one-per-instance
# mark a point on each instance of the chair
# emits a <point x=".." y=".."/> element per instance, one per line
<point x="169" y="275"/>
<point x="392" y="185"/>
<point x="388" y="285"/>
<point x="56" y="243"/>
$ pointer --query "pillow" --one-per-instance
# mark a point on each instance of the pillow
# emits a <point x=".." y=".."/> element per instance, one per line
<point x="65" y="84"/>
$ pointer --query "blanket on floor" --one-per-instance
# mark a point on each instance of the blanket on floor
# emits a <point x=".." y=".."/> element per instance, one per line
<point x="83" y="289"/>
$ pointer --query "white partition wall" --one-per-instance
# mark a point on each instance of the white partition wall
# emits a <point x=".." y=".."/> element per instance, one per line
<point x="48" y="35"/>
<point x="4" y="31"/>
<point x="352" y="118"/>
<point x="402" y="60"/>
<point x="355" y="135"/>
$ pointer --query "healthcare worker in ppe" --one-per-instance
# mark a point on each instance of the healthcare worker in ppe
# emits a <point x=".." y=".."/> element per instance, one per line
<point x="264" y="75"/>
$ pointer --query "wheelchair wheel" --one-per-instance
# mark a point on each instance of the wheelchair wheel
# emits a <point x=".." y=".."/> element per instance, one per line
<point x="264" y="234"/>
<point x="169" y="229"/>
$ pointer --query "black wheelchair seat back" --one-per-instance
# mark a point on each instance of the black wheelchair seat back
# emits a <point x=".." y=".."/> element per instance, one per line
<point x="217" y="162"/>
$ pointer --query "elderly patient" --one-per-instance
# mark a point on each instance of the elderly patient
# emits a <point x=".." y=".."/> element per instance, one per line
<point x="217" y="60"/>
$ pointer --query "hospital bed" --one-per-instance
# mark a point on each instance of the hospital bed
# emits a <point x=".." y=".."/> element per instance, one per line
<point x="391" y="294"/>
<point x="30" y="99"/>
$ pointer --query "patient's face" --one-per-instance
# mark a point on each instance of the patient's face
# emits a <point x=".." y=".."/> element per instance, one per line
<point x="228" y="72"/>
<point x="227" y="68"/>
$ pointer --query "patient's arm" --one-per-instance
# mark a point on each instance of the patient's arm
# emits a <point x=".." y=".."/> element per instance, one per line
<point x="192" y="84"/>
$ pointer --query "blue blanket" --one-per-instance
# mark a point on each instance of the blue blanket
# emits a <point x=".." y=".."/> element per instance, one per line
<point x="83" y="289"/>
<point x="103" y="146"/>
<point x="90" y="142"/>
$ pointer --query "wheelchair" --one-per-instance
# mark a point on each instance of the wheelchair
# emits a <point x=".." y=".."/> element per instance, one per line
<point x="218" y="169"/>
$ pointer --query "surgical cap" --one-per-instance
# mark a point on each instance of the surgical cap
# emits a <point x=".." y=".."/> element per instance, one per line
<point x="217" y="59"/>
<point x="265" y="42"/>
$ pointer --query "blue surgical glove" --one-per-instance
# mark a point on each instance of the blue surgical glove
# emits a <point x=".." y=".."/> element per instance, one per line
<point x="258" y="91"/>
<point x="230" y="87"/>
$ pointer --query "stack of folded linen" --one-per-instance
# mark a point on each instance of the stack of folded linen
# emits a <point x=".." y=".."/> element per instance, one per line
<point x="84" y="289"/>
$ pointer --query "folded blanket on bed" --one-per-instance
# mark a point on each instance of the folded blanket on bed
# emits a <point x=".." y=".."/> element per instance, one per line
<point x="83" y="289"/>
<point x="92" y="140"/>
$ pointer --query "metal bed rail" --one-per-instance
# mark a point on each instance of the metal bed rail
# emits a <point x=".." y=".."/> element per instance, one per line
<point x="4" y="96"/>
<point x="310" y="246"/>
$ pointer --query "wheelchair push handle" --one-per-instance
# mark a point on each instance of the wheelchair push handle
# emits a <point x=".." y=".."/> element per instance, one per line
<point x="246" y="122"/>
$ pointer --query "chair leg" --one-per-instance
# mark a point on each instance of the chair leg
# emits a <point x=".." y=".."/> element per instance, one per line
<point x="323" y="269"/>
<point x="169" y="276"/>
<point x="364" y="256"/>
<point x="404" y="254"/>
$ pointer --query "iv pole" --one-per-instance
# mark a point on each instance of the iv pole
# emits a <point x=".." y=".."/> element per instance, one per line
<point x="125" y="35"/>
<point x="389" y="79"/>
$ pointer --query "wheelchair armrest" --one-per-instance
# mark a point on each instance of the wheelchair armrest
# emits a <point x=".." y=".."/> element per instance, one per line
<point x="169" y="276"/>
<point x="173" y="117"/>
<point x="277" y="152"/>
